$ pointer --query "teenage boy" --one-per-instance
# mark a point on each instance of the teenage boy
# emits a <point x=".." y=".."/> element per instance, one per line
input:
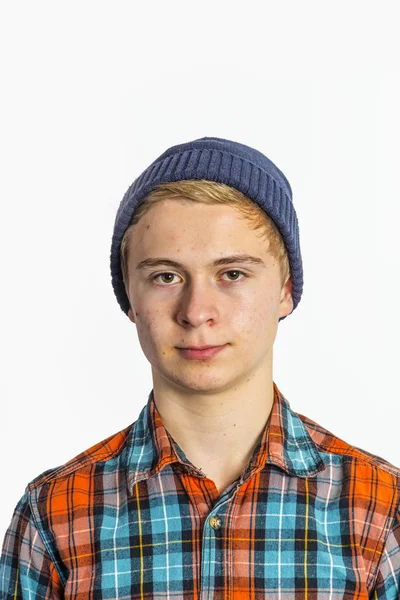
<point x="219" y="490"/>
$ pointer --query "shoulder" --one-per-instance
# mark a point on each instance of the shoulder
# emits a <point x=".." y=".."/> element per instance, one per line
<point x="366" y="488"/>
<point x="358" y="461"/>
<point x="101" y="452"/>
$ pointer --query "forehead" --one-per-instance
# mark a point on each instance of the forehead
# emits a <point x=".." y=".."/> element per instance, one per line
<point x="195" y="225"/>
<point x="198" y="237"/>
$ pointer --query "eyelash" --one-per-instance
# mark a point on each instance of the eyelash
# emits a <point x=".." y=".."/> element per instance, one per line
<point x="154" y="277"/>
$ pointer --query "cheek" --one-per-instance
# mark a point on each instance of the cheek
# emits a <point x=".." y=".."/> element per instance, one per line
<point x="150" y="323"/>
<point x="252" y="322"/>
<point x="145" y="318"/>
<point x="253" y="313"/>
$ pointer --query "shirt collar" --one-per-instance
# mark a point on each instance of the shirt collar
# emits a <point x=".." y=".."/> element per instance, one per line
<point x="285" y="443"/>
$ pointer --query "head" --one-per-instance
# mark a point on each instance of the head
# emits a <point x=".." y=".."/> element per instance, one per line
<point x="236" y="304"/>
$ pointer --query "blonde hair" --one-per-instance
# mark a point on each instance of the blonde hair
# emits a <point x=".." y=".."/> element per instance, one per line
<point x="210" y="192"/>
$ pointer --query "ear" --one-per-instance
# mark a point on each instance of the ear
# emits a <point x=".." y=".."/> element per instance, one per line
<point x="131" y="315"/>
<point x="286" y="302"/>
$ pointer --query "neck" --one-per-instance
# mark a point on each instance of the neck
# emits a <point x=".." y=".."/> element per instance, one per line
<point x="217" y="432"/>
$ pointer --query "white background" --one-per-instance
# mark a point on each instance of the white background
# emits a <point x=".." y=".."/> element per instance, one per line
<point x="91" y="93"/>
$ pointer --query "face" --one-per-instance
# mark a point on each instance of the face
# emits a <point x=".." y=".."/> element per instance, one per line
<point x="237" y="304"/>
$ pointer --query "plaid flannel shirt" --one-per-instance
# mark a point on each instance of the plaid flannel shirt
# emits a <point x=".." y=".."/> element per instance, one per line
<point x="311" y="517"/>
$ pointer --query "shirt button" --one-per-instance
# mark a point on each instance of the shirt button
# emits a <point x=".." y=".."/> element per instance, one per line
<point x="215" y="522"/>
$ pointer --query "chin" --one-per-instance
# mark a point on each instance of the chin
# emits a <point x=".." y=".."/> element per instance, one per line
<point x="207" y="382"/>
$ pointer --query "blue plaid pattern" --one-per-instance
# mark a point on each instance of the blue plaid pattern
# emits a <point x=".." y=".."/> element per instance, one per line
<point x="311" y="517"/>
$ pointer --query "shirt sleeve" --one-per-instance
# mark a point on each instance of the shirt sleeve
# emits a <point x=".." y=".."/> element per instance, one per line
<point x="26" y="568"/>
<point x="387" y="584"/>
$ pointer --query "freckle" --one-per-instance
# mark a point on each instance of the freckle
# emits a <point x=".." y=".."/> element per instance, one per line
<point x="234" y="424"/>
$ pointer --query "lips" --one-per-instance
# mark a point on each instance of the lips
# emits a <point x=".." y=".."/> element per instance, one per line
<point x="205" y="353"/>
<point x="199" y="347"/>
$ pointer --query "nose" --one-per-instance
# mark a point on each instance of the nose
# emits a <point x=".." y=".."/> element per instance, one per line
<point x="198" y="304"/>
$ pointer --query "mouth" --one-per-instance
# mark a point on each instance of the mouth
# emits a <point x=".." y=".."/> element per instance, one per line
<point x="201" y="352"/>
<point x="197" y="347"/>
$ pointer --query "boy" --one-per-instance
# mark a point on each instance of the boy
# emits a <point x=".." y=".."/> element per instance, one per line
<point x="219" y="489"/>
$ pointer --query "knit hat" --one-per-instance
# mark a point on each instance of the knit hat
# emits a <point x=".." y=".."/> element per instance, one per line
<point x="225" y="161"/>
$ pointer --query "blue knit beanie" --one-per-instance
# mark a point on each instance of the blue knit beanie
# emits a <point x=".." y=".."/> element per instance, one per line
<point x="225" y="161"/>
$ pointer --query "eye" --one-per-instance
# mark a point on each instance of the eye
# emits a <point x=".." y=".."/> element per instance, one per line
<point x="160" y="274"/>
<point x="167" y="273"/>
<point x="236" y="271"/>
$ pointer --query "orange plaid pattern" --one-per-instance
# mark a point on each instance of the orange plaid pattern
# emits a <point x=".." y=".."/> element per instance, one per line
<point x="310" y="518"/>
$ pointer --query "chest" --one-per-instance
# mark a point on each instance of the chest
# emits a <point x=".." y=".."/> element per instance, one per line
<point x="177" y="537"/>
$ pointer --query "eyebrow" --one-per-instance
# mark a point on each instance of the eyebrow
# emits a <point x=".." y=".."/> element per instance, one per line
<point x="225" y="260"/>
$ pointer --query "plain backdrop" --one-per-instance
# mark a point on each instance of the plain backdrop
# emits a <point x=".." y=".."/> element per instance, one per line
<point x="91" y="93"/>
